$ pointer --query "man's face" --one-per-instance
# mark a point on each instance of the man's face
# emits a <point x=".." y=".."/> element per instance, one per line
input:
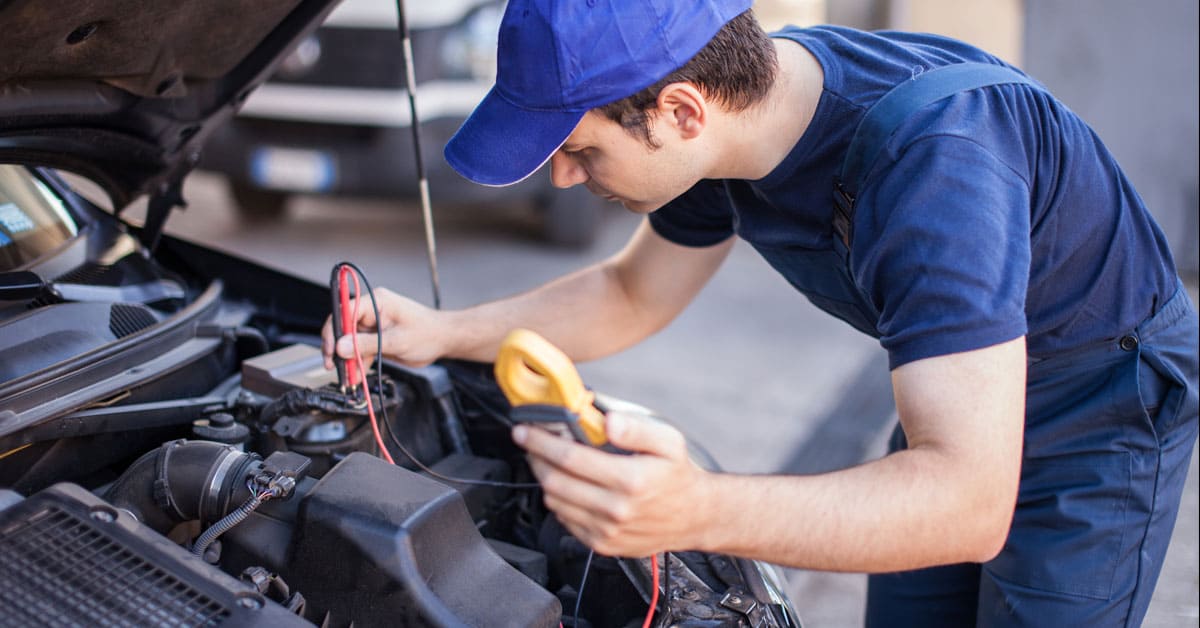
<point x="614" y="165"/>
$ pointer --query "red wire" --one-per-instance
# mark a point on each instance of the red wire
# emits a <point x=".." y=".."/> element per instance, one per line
<point x="654" y="587"/>
<point x="349" y="323"/>
<point x="362" y="372"/>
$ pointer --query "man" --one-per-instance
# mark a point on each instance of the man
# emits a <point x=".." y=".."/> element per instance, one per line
<point x="1044" y="358"/>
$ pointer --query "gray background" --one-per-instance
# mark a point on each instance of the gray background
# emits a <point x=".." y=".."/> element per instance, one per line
<point x="1130" y="70"/>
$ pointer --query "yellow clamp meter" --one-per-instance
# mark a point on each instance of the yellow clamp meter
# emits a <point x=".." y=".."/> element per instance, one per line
<point x="535" y="374"/>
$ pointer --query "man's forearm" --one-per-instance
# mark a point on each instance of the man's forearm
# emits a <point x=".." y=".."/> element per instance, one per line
<point x="909" y="510"/>
<point x="601" y="309"/>
<point x="948" y="498"/>
<point x="587" y="314"/>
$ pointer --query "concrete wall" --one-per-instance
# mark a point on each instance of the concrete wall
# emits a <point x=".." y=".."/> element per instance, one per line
<point x="1129" y="68"/>
<point x="775" y="14"/>
<point x="994" y="25"/>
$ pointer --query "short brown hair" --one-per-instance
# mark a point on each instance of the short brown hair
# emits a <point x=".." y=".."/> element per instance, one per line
<point x="736" y="68"/>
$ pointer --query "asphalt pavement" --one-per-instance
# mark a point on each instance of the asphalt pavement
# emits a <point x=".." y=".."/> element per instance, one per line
<point x="754" y="373"/>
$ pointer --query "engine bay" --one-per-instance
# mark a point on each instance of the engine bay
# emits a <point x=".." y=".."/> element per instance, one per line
<point x="245" y="487"/>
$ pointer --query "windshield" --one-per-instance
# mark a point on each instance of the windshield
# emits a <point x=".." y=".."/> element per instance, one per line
<point x="33" y="221"/>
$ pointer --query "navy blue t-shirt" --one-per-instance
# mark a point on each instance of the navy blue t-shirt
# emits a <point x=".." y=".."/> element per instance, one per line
<point x="990" y="214"/>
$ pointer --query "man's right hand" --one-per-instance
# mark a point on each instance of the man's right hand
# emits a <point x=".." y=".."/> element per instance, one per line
<point x="411" y="332"/>
<point x="589" y="314"/>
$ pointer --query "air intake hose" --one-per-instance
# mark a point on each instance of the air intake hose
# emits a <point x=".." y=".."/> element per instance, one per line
<point x="184" y="481"/>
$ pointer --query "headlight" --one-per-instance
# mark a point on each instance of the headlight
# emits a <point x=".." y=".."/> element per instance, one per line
<point x="469" y="49"/>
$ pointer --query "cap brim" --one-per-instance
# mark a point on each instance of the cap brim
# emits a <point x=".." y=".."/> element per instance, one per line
<point x="501" y="144"/>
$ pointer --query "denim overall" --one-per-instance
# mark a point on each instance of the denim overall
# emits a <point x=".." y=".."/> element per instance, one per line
<point x="1109" y="432"/>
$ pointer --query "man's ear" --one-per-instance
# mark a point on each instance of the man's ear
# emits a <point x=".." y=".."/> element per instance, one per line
<point x="684" y="108"/>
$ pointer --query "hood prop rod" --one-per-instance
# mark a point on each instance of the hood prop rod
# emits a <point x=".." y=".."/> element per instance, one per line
<point x="168" y="196"/>
<point x="422" y="181"/>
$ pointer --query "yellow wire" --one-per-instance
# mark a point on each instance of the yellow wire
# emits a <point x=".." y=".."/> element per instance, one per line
<point x="13" y="451"/>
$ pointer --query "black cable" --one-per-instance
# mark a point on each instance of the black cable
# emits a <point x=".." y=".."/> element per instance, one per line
<point x="587" y="566"/>
<point x="666" y="584"/>
<point x="229" y="521"/>
<point x="383" y="406"/>
<point x="485" y="406"/>
<point x="494" y="483"/>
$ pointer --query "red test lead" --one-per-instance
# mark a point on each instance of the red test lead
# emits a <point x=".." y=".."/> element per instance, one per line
<point x="348" y="324"/>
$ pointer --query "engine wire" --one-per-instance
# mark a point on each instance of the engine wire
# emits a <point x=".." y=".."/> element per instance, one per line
<point x="667" y="584"/>
<point x="13" y="451"/>
<point x="362" y="371"/>
<point x="587" y="566"/>
<point x="483" y="405"/>
<point x="226" y="523"/>
<point x="654" y="589"/>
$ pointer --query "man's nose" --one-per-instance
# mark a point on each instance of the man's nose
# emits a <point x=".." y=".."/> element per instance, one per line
<point x="565" y="171"/>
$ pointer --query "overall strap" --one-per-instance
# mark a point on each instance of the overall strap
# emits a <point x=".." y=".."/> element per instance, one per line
<point x="890" y="111"/>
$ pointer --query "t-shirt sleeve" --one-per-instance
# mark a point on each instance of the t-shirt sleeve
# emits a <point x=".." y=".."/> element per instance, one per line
<point x="941" y="247"/>
<point x="699" y="217"/>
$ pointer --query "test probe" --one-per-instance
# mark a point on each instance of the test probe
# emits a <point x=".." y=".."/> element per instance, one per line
<point x="343" y="323"/>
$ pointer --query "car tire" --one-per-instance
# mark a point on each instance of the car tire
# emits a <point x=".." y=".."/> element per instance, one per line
<point x="258" y="205"/>
<point x="570" y="217"/>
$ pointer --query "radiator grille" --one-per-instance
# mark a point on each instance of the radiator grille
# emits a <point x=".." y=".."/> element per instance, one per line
<point x="58" y="569"/>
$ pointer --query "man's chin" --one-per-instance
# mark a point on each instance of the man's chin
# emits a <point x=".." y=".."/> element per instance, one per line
<point x="637" y="207"/>
<point x="640" y="207"/>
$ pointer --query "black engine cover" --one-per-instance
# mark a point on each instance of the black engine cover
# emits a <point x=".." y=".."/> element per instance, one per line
<point x="386" y="546"/>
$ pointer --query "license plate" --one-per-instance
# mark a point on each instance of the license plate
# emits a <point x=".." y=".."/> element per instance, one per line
<point x="293" y="169"/>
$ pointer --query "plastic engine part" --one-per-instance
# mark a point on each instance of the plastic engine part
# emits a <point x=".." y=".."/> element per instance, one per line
<point x="408" y="553"/>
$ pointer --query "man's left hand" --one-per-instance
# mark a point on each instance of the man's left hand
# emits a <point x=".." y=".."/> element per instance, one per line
<point x="622" y="505"/>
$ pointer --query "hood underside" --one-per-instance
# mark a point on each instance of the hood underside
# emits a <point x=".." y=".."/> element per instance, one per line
<point x="126" y="91"/>
<point x="146" y="48"/>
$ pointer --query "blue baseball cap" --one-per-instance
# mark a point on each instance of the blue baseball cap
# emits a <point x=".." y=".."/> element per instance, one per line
<point x="557" y="59"/>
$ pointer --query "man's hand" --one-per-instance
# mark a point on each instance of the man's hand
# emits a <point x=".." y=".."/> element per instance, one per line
<point x="621" y="505"/>
<point x="411" y="332"/>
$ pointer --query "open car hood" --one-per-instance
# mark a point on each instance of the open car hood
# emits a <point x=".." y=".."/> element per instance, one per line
<point x="125" y="92"/>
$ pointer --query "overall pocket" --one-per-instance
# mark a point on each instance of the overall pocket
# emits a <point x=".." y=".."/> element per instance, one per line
<point x="1067" y="532"/>
<point x="1085" y="430"/>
